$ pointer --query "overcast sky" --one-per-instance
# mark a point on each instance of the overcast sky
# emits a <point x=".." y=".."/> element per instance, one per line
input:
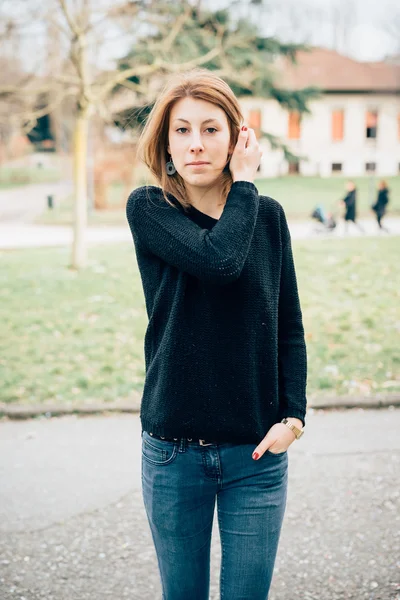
<point x="366" y="36"/>
<point x="361" y="32"/>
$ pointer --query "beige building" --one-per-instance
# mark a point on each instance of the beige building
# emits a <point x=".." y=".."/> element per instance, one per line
<point x="353" y="129"/>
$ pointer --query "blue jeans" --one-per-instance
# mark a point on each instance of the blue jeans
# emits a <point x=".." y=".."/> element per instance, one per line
<point x="180" y="482"/>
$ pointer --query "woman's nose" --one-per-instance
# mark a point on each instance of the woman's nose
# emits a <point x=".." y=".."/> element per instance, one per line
<point x="196" y="145"/>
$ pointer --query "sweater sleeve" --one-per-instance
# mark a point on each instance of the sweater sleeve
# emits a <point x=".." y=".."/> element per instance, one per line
<point x="292" y="355"/>
<point x="215" y="256"/>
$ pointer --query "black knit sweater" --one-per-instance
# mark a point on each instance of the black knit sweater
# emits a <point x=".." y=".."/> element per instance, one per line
<point x="224" y="348"/>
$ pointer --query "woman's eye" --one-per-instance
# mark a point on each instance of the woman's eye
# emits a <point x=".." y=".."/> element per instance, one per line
<point x="208" y="128"/>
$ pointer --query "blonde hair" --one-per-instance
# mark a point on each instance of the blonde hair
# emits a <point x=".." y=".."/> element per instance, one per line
<point x="199" y="83"/>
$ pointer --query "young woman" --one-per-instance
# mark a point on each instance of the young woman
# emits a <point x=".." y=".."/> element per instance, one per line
<point x="224" y="348"/>
<point x="381" y="204"/>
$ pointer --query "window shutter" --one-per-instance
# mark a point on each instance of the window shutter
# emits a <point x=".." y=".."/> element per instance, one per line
<point x="371" y="118"/>
<point x="294" y="125"/>
<point x="255" y="121"/>
<point x="337" y="125"/>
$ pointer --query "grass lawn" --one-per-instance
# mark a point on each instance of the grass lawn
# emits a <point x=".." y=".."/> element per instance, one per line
<point x="298" y="196"/>
<point x="16" y="176"/>
<point x="78" y="337"/>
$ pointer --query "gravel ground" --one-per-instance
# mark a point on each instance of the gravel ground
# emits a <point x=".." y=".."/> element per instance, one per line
<point x="340" y="538"/>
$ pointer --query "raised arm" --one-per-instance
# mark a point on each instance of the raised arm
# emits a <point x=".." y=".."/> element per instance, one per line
<point x="215" y="256"/>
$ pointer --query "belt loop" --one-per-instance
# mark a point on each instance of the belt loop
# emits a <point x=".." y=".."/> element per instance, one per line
<point x="182" y="445"/>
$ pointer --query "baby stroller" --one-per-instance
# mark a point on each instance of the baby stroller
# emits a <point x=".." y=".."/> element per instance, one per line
<point x="326" y="221"/>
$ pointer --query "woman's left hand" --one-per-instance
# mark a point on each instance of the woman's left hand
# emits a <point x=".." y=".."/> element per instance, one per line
<point x="278" y="439"/>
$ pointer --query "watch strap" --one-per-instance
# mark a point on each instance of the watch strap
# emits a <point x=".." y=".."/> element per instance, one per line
<point x="297" y="432"/>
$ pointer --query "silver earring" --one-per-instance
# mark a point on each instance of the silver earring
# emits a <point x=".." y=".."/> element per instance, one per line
<point x="171" y="170"/>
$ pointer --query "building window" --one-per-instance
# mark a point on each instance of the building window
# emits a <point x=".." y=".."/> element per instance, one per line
<point x="294" y="125"/>
<point x="370" y="167"/>
<point x="294" y="168"/>
<point x="337" y="125"/>
<point x="336" y="167"/>
<point x="255" y="122"/>
<point x="371" y="125"/>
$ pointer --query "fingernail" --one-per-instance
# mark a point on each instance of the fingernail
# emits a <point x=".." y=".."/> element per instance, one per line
<point x="244" y="128"/>
<point x="255" y="455"/>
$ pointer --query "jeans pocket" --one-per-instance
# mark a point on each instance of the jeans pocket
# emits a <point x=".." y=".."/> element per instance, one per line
<point x="158" y="452"/>
<point x="276" y="453"/>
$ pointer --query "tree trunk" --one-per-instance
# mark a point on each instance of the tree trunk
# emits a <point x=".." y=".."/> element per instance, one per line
<point x="79" y="250"/>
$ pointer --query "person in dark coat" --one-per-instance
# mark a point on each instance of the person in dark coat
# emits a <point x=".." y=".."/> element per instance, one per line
<point x="350" y="204"/>
<point x="381" y="203"/>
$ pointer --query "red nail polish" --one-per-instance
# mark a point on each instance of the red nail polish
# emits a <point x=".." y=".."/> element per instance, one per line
<point x="244" y="128"/>
<point x="255" y="455"/>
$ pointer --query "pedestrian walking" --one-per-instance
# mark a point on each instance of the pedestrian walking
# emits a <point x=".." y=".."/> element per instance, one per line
<point x="225" y="387"/>
<point x="381" y="203"/>
<point x="350" y="204"/>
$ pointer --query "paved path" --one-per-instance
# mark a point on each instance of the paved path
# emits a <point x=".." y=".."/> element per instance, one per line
<point x="25" y="235"/>
<point x="20" y="205"/>
<point x="73" y="525"/>
<point x="310" y="229"/>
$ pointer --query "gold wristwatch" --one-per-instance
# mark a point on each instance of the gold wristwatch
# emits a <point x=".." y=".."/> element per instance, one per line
<point x="297" y="432"/>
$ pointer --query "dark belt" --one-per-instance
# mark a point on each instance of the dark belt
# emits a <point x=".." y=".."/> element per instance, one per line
<point x="168" y="439"/>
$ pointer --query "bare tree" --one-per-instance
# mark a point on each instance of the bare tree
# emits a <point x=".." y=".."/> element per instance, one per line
<point x="344" y="18"/>
<point x="327" y="24"/>
<point x="89" y="49"/>
<point x="389" y="23"/>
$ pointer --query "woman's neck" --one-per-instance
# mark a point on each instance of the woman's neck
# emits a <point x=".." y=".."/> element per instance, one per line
<point x="209" y="201"/>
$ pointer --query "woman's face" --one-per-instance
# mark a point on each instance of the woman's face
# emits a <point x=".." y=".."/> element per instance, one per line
<point x="198" y="132"/>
